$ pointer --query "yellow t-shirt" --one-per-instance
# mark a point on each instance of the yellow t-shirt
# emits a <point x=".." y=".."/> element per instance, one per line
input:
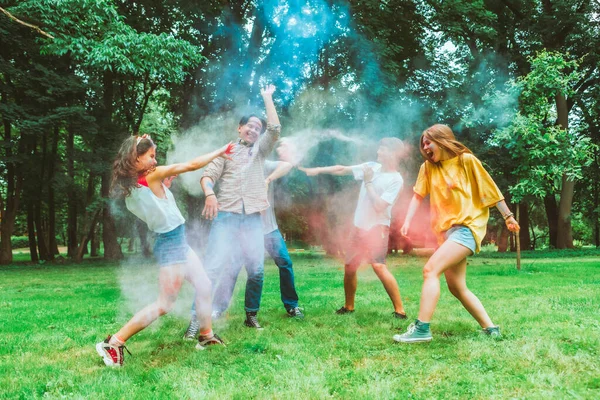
<point x="460" y="194"/>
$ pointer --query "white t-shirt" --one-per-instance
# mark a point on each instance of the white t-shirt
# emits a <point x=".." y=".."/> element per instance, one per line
<point x="268" y="216"/>
<point x="161" y="215"/>
<point x="387" y="185"/>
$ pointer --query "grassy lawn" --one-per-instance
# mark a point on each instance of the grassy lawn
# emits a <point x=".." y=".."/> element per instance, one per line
<point x="52" y="315"/>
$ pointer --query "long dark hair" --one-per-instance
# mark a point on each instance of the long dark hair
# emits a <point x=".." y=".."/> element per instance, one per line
<point x="125" y="174"/>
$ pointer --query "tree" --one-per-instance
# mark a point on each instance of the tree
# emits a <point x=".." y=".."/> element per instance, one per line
<point x="128" y="67"/>
<point x="547" y="155"/>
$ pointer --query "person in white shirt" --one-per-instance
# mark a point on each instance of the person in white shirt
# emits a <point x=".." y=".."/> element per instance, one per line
<point x="381" y="183"/>
<point x="138" y="179"/>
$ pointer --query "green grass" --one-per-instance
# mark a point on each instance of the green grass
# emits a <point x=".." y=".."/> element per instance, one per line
<point x="52" y="315"/>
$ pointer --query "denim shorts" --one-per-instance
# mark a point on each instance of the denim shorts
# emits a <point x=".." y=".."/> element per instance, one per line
<point x="462" y="235"/>
<point x="171" y="247"/>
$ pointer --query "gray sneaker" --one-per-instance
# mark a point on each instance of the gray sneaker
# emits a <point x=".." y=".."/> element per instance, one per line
<point x="295" y="312"/>
<point x="493" y="331"/>
<point x="192" y="331"/>
<point x="251" y="321"/>
<point x="414" y="335"/>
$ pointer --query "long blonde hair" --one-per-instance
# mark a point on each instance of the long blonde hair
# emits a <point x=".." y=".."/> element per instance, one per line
<point x="125" y="173"/>
<point x="443" y="136"/>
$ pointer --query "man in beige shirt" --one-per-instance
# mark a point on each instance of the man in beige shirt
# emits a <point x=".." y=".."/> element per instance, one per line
<point x="236" y="235"/>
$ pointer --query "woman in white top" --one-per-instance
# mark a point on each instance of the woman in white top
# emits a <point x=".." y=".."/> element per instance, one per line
<point x="138" y="179"/>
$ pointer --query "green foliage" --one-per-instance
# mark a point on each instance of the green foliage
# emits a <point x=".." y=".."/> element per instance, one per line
<point x="582" y="230"/>
<point x="378" y="68"/>
<point x="542" y="151"/>
<point x="94" y="34"/>
<point x="19" y="242"/>
<point x="552" y="73"/>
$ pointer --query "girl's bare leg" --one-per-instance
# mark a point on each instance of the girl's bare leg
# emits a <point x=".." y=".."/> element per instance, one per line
<point x="350" y="285"/>
<point x="446" y="256"/>
<point x="170" y="279"/>
<point x="197" y="276"/>
<point x="391" y="286"/>
<point x="457" y="283"/>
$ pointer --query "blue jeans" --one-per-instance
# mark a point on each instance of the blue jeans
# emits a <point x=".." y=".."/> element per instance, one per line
<point x="275" y="246"/>
<point x="235" y="240"/>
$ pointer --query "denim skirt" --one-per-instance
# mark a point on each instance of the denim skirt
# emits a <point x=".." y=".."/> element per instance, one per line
<point x="171" y="247"/>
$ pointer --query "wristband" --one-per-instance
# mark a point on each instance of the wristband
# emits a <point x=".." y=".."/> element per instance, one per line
<point x="208" y="195"/>
<point x="366" y="183"/>
<point x="507" y="216"/>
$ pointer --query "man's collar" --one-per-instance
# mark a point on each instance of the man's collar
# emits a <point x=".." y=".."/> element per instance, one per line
<point x="244" y="143"/>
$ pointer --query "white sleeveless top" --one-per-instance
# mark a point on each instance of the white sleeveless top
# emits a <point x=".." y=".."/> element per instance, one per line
<point x="161" y="215"/>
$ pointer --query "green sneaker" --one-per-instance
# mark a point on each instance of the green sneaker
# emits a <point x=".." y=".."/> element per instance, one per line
<point x="493" y="331"/>
<point x="414" y="334"/>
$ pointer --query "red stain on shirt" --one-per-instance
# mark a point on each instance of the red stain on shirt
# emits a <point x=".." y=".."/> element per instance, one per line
<point x="142" y="181"/>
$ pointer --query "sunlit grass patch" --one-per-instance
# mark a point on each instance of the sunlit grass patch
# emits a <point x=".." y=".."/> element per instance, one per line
<point x="53" y="315"/>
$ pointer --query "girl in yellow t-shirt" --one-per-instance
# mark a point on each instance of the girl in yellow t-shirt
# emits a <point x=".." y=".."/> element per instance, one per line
<point x="461" y="192"/>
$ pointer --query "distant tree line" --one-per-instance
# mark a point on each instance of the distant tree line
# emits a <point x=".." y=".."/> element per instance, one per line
<point x="517" y="80"/>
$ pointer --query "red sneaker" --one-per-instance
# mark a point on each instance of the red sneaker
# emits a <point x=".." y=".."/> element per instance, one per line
<point x="111" y="355"/>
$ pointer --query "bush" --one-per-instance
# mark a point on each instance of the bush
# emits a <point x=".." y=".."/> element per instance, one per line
<point x="19" y="242"/>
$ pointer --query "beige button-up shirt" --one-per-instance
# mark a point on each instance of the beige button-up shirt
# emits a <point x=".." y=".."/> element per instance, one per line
<point x="241" y="180"/>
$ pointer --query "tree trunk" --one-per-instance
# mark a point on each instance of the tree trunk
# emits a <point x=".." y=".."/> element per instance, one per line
<point x="72" y="197"/>
<point x="518" y="240"/>
<point x="37" y="206"/>
<point x="534" y="238"/>
<point x="131" y="245"/>
<point x="552" y="217"/>
<point x="112" y="250"/>
<point x="564" y="239"/>
<point x="33" y="254"/>
<point x="52" y="245"/>
<point x="503" y="239"/>
<point x="524" y="238"/>
<point x="595" y="215"/>
<point x="87" y="236"/>
<point x="39" y="230"/>
<point x="142" y="230"/>
<point x="14" y="185"/>
<point x="596" y="195"/>
<point x="88" y="233"/>
<point x="94" y="242"/>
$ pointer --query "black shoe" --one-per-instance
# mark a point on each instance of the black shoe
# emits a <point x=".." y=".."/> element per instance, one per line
<point x="399" y="315"/>
<point x="251" y="321"/>
<point x="344" y="310"/>
<point x="295" y="312"/>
